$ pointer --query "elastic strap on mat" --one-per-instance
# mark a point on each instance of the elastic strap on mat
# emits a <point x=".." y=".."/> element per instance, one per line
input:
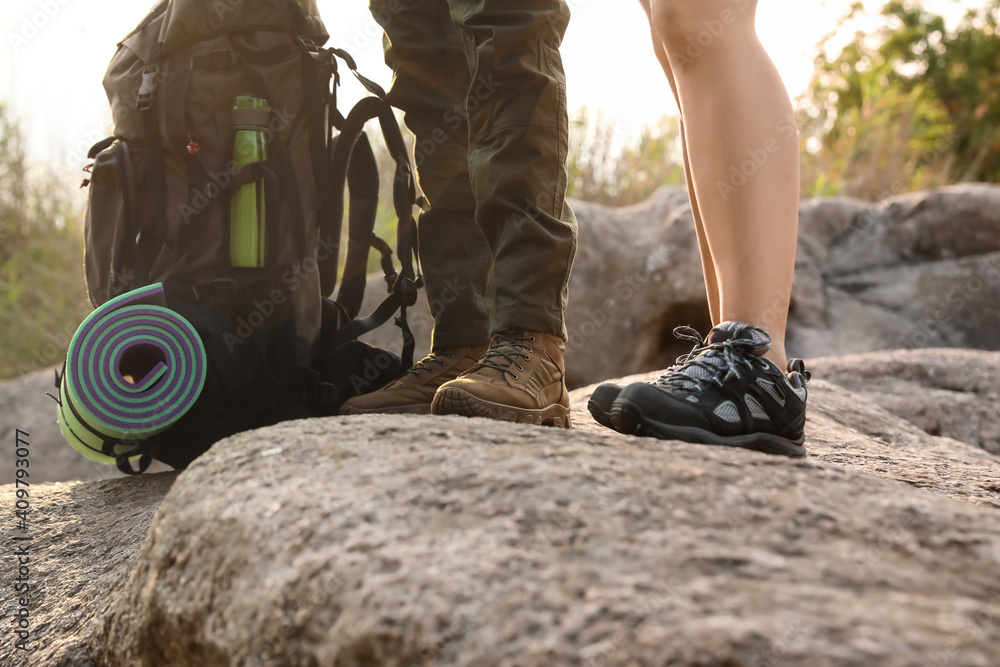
<point x="122" y="461"/>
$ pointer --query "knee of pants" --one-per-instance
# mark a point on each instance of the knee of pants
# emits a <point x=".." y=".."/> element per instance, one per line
<point x="688" y="27"/>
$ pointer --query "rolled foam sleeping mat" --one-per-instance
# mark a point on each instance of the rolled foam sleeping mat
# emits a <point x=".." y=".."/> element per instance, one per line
<point x="133" y="368"/>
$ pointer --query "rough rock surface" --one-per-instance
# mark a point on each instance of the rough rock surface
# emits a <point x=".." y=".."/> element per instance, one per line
<point x="409" y="540"/>
<point x="918" y="270"/>
<point x="955" y="393"/>
<point x="85" y="540"/>
<point x="914" y="271"/>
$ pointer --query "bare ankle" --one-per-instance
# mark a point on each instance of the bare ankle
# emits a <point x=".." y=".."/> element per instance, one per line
<point x="778" y="357"/>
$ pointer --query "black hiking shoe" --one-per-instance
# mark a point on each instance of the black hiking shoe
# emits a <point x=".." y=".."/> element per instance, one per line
<point x="724" y="393"/>
<point x="603" y="398"/>
<point x="600" y="403"/>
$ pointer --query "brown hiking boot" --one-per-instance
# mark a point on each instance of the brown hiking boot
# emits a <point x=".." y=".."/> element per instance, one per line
<point x="413" y="390"/>
<point x="521" y="378"/>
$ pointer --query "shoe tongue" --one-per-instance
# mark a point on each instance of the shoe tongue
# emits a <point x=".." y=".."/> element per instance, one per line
<point x="733" y="330"/>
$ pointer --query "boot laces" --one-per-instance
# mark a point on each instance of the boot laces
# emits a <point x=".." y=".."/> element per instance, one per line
<point x="510" y="349"/>
<point x="709" y="362"/>
<point x="424" y="365"/>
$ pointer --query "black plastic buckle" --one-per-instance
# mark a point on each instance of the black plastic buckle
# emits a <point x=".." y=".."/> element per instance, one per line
<point x="321" y="393"/>
<point x="221" y="59"/>
<point x="390" y="280"/>
<point x="219" y="288"/>
<point x="407" y="290"/>
<point x="147" y="89"/>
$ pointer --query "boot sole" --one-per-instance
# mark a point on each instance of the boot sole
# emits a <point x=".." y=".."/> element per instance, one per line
<point x="420" y="409"/>
<point x="452" y="401"/>
<point x="633" y="422"/>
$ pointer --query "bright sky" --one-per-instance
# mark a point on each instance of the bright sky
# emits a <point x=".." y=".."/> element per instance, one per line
<point x="51" y="78"/>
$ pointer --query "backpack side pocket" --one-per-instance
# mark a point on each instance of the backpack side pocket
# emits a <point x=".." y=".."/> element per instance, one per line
<point x="117" y="205"/>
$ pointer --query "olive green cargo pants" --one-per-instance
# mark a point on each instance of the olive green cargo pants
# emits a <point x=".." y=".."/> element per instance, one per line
<point x="482" y="87"/>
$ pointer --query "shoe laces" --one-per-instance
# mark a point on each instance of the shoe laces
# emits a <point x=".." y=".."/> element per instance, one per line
<point x="508" y="348"/>
<point x="714" y="362"/>
<point x="424" y="365"/>
<point x="687" y="333"/>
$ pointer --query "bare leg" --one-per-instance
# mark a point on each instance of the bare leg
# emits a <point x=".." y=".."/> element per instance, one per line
<point x="743" y="152"/>
<point x="707" y="263"/>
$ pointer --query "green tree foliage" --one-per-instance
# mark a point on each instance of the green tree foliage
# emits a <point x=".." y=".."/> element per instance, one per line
<point x="909" y="104"/>
<point x="42" y="294"/>
<point x="618" y="171"/>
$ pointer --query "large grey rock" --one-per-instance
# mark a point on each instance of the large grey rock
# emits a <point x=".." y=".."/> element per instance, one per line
<point x="85" y="540"/>
<point x="955" y="393"/>
<point x="914" y="271"/>
<point x="409" y="540"/>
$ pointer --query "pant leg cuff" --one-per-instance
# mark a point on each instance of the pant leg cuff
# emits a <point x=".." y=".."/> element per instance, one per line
<point x="468" y="334"/>
<point x="540" y="320"/>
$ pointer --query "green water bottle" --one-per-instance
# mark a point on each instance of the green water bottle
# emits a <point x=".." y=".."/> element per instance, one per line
<point x="247" y="238"/>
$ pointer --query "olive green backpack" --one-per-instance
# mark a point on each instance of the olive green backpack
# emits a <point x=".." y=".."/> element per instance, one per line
<point x="224" y="182"/>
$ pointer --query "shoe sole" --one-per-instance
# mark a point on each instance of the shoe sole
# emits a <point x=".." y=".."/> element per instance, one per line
<point x="601" y="416"/>
<point x="420" y="409"/>
<point x="633" y="422"/>
<point x="604" y="395"/>
<point x="453" y="401"/>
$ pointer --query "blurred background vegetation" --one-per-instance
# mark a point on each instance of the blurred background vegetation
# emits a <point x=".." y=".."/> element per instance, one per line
<point x="42" y="294"/>
<point x="909" y="104"/>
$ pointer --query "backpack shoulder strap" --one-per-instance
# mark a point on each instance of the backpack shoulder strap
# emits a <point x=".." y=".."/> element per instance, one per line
<point x="153" y="235"/>
<point x="352" y="157"/>
<point x="363" y="186"/>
